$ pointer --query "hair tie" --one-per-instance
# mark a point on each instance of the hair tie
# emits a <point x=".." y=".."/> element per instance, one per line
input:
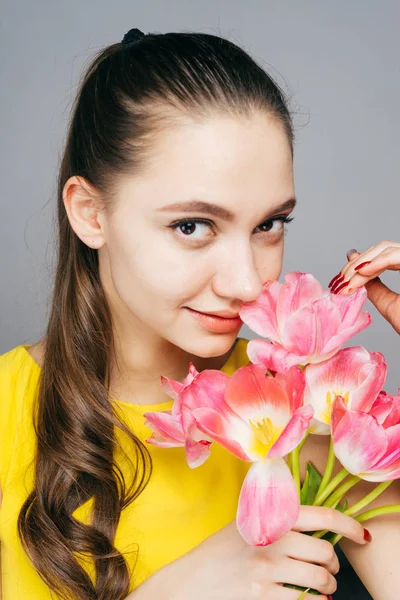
<point x="133" y="35"/>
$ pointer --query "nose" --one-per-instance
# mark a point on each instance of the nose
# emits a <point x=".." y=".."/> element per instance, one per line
<point x="236" y="275"/>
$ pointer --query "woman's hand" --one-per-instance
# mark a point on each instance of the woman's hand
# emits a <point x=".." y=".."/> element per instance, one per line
<point x="224" y="567"/>
<point x="377" y="259"/>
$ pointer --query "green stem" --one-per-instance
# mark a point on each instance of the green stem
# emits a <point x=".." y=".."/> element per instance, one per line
<point x="370" y="514"/>
<point x="303" y="441"/>
<point x="341" y="491"/>
<point x="296" y="468"/>
<point x="330" y="462"/>
<point x="320" y="498"/>
<point x="352" y="510"/>
<point x="289" y="462"/>
<point x="376" y="512"/>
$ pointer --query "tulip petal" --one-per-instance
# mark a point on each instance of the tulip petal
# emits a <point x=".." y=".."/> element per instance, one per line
<point x="207" y="390"/>
<point x="299" y="290"/>
<point x="250" y="394"/>
<point x="233" y="434"/>
<point x="339" y="410"/>
<point x="300" y="333"/>
<point x="392" y="454"/>
<point x="165" y="428"/>
<point x="350" y="306"/>
<point x="171" y="387"/>
<point x="382" y="410"/>
<point x="318" y="428"/>
<point x="260" y="315"/>
<point x="293" y="433"/>
<point x="272" y="357"/>
<point x="294" y="383"/>
<point x="197" y="453"/>
<point x="394" y="416"/>
<point x="268" y="503"/>
<point x="363" y="321"/>
<point x="359" y="442"/>
<point x="354" y="373"/>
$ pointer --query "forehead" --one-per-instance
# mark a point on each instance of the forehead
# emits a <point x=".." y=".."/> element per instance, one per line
<point x="221" y="159"/>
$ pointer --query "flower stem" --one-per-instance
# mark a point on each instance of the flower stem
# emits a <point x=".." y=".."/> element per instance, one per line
<point x="289" y="462"/>
<point x="303" y="441"/>
<point x="341" y="491"/>
<point x="320" y="498"/>
<point x="295" y="456"/>
<point x="368" y="498"/>
<point x="328" y="470"/>
<point x="370" y="514"/>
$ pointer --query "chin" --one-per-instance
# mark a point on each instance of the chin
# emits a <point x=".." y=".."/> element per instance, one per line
<point x="210" y="344"/>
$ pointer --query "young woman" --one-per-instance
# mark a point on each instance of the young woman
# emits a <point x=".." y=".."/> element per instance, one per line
<point x="174" y="188"/>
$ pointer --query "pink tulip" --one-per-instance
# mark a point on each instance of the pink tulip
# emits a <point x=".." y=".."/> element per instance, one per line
<point x="353" y="373"/>
<point x="168" y="427"/>
<point x="368" y="443"/>
<point x="305" y="323"/>
<point x="261" y="419"/>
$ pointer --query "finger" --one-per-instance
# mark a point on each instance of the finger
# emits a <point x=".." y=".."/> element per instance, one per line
<point x="351" y="254"/>
<point x="361" y="272"/>
<point x="312" y="550"/>
<point x="305" y="575"/>
<point x="290" y="594"/>
<point x="315" y="518"/>
<point x="354" y="257"/>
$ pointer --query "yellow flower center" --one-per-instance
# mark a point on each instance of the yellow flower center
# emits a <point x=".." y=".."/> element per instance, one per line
<point x="330" y="399"/>
<point x="265" y="435"/>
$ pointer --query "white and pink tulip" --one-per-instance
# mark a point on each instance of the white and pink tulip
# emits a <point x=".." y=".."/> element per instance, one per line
<point x="353" y="373"/>
<point x="368" y="443"/>
<point x="304" y="323"/>
<point x="169" y="428"/>
<point x="261" y="420"/>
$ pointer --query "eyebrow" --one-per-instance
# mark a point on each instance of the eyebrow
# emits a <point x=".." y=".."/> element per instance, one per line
<point x="218" y="211"/>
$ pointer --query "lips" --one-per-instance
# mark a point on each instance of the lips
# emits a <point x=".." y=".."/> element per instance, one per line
<point x="224" y="314"/>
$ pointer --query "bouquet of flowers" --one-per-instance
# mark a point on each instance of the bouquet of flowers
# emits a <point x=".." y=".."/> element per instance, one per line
<point x="299" y="383"/>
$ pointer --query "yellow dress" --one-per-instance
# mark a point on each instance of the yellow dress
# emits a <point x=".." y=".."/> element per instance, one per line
<point x="178" y="509"/>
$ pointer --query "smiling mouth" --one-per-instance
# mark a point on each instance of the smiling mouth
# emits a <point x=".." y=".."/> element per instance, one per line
<point x="222" y="314"/>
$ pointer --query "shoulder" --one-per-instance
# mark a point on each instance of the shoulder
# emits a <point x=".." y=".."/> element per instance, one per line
<point x="19" y="377"/>
<point x="36" y="351"/>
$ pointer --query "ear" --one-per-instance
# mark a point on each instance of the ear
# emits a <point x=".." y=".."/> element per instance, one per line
<point x="83" y="207"/>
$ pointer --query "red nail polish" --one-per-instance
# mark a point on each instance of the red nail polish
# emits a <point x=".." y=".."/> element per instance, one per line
<point x="362" y="265"/>
<point x="338" y="281"/>
<point x="334" y="280"/>
<point x="340" y="287"/>
<point x="337" y="285"/>
<point x="330" y="598"/>
<point x="367" y="535"/>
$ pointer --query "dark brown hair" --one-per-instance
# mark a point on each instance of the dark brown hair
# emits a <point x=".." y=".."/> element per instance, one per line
<point x="128" y="96"/>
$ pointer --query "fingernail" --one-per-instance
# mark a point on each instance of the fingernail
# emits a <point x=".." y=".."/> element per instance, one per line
<point x="340" y="287"/>
<point x="330" y="598"/>
<point x="332" y="280"/>
<point x="362" y="265"/>
<point x="337" y="284"/>
<point x="336" y="280"/>
<point x="367" y="535"/>
<point x="350" y="252"/>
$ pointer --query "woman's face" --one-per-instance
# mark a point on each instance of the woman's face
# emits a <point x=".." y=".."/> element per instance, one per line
<point x="154" y="266"/>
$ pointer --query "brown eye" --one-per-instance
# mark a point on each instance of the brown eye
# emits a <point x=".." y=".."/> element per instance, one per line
<point x="281" y="221"/>
<point x="189" y="227"/>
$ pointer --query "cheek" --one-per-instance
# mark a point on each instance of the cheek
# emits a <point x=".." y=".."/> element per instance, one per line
<point x="153" y="275"/>
<point x="270" y="262"/>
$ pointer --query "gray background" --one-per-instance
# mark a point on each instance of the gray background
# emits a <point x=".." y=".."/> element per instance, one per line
<point x="338" y="61"/>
